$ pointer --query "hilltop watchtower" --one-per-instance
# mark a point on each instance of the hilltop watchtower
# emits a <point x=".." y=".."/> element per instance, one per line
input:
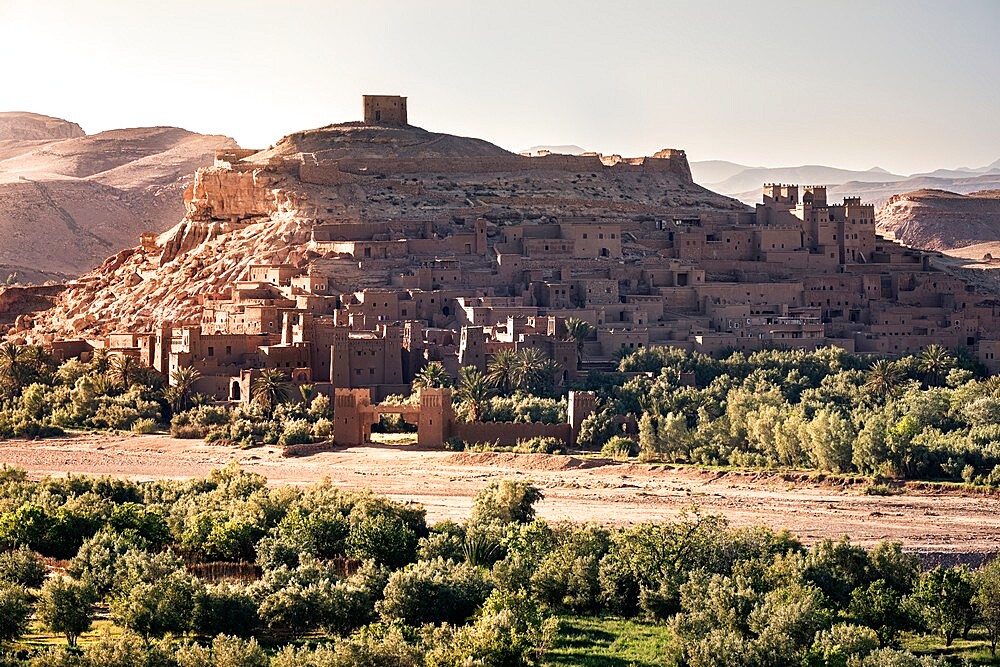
<point x="384" y="109"/>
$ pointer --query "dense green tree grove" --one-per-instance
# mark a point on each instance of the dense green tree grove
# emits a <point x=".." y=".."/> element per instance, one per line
<point x="39" y="397"/>
<point x="368" y="582"/>
<point x="929" y="416"/>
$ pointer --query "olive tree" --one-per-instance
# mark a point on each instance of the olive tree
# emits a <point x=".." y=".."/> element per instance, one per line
<point x="66" y="606"/>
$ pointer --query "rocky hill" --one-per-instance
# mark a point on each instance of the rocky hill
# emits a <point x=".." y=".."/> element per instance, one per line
<point x="68" y="200"/>
<point x="23" y="126"/>
<point x="941" y="220"/>
<point x="264" y="208"/>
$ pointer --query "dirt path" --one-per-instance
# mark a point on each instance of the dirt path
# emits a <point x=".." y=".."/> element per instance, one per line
<point x="575" y="489"/>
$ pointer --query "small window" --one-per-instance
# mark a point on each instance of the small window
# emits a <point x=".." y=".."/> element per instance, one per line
<point x="211" y="351"/>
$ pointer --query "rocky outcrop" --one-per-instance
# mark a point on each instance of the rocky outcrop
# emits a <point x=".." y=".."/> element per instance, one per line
<point x="24" y="126"/>
<point x="940" y="220"/>
<point x="223" y="194"/>
<point x="18" y="303"/>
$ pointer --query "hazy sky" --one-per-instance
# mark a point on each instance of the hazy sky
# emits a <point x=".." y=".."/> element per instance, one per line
<point x="907" y="85"/>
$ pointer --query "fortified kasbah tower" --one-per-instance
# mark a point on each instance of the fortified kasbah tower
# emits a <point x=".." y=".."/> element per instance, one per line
<point x="385" y="110"/>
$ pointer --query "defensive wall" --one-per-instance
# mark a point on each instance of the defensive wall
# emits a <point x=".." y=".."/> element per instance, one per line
<point x="332" y="172"/>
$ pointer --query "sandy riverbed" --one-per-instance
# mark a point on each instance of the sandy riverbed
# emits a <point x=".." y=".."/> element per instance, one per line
<point x="576" y="489"/>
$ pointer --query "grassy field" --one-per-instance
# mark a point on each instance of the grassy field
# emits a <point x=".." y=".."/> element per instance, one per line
<point x="976" y="649"/>
<point x="604" y="642"/>
<point x="38" y="637"/>
<point x="608" y="642"/>
<point x="617" y="642"/>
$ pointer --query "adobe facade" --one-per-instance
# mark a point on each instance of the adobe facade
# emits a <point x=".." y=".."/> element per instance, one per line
<point x="797" y="273"/>
<point x="453" y="259"/>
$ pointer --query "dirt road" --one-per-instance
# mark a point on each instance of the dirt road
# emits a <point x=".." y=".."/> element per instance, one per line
<point x="575" y="489"/>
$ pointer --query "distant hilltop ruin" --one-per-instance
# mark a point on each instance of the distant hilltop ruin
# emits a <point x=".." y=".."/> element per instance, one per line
<point x="384" y="109"/>
<point x="394" y="147"/>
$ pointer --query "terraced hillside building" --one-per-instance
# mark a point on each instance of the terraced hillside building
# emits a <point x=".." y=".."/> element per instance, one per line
<point x="352" y="255"/>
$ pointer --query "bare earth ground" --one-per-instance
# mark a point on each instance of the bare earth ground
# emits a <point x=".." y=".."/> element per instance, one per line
<point x="575" y="489"/>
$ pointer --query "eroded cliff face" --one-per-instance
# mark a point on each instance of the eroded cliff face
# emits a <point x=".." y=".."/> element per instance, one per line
<point x="223" y="194"/>
<point x="941" y="220"/>
<point x="234" y="219"/>
<point x="220" y="201"/>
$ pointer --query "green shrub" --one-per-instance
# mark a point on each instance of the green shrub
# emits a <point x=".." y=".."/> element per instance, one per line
<point x="295" y="432"/>
<point x="187" y="431"/>
<point x="14" y="611"/>
<point x="540" y="445"/>
<point x="447" y="545"/>
<point x="506" y="501"/>
<point x="225" y="608"/>
<point x="383" y="538"/>
<point x="144" y="425"/>
<point x="437" y="591"/>
<point x="882" y="490"/>
<point x="620" y="448"/>
<point x="66" y="606"/>
<point x="322" y="429"/>
<point x="22" y="566"/>
<point x="320" y="407"/>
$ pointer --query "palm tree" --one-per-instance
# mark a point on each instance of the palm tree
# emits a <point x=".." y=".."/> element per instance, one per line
<point x="579" y="331"/>
<point x="270" y="388"/>
<point x="432" y="376"/>
<point x="884" y="378"/>
<point x="124" y="369"/>
<point x="13" y="365"/>
<point x="500" y="371"/>
<point x="475" y="389"/>
<point x="534" y="372"/>
<point x="100" y="362"/>
<point x="306" y="392"/>
<point x="182" y="381"/>
<point x="935" y="362"/>
<point x="37" y="358"/>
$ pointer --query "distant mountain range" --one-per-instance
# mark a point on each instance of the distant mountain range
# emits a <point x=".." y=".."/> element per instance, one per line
<point x="875" y="185"/>
<point x="69" y="199"/>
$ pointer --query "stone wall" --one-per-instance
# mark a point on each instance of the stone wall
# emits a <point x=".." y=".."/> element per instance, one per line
<point x="309" y="449"/>
<point x="340" y="171"/>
